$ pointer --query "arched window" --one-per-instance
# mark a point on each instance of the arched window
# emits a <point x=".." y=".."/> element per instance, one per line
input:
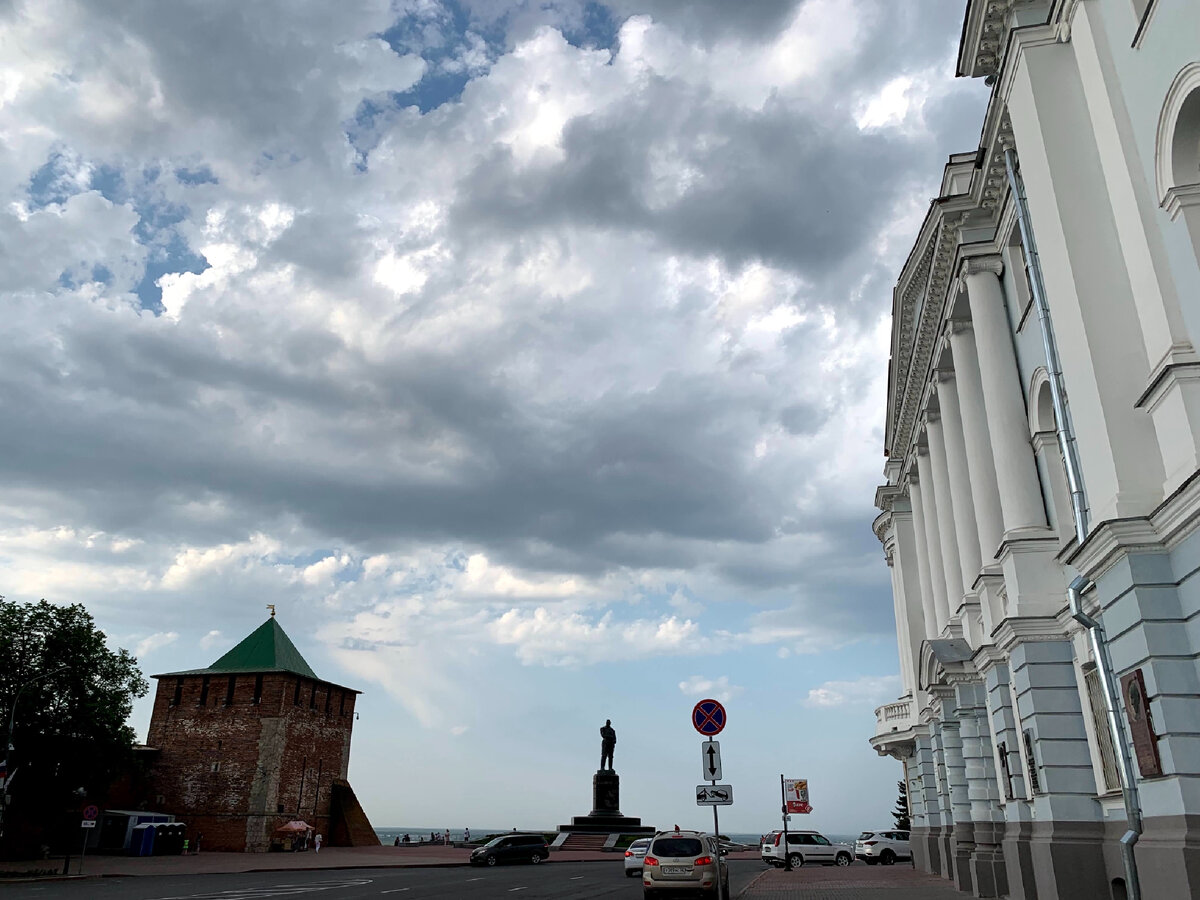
<point x="1052" y="473"/>
<point x="1177" y="163"/>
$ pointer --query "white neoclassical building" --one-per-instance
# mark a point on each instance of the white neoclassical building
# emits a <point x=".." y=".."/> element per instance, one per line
<point x="1041" y="515"/>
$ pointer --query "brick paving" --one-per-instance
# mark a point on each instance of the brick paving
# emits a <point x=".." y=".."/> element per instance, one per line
<point x="858" y="882"/>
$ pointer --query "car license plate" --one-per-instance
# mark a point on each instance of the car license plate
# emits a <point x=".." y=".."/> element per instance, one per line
<point x="677" y="870"/>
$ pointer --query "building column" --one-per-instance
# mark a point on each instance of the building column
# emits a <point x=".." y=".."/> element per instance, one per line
<point x="962" y="836"/>
<point x="907" y="590"/>
<point x="1003" y="397"/>
<point x="1010" y="776"/>
<point x="946" y="518"/>
<point x="920" y="532"/>
<point x="978" y="442"/>
<point x="1067" y="832"/>
<point x="924" y="791"/>
<point x="945" y="808"/>
<point x="933" y="542"/>
<point x="966" y="533"/>
<point x="987" y="859"/>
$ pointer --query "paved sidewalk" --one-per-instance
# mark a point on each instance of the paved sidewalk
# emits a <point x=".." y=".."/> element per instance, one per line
<point x="206" y="863"/>
<point x="858" y="882"/>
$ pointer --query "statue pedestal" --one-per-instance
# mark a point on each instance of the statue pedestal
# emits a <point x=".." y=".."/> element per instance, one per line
<point x="605" y="817"/>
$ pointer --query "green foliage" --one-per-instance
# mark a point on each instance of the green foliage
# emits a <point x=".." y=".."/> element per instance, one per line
<point x="70" y="727"/>
<point x="900" y="812"/>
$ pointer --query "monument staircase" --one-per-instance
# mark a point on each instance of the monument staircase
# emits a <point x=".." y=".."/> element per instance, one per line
<point x="579" y="841"/>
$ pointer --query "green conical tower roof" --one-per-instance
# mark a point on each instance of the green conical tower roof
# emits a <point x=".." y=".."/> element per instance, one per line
<point x="266" y="649"/>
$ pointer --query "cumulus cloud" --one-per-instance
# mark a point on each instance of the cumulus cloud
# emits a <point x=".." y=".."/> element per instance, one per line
<point x="557" y="330"/>
<point x="156" y="641"/>
<point x="699" y="687"/>
<point x="865" y="691"/>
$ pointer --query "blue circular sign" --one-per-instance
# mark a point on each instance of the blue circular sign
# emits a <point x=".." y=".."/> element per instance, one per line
<point x="708" y="717"/>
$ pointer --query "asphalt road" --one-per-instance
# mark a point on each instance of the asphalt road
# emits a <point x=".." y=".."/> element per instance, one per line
<point x="562" y="881"/>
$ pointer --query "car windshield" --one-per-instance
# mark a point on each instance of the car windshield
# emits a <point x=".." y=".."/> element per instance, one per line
<point x="494" y="842"/>
<point x="673" y="847"/>
<point x="640" y="845"/>
<point x="866" y="835"/>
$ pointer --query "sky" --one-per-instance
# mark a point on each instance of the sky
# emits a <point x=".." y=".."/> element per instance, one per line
<point x="529" y="355"/>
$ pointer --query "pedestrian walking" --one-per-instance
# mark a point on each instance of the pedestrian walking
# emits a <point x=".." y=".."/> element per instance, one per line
<point x="466" y="835"/>
<point x="317" y="842"/>
<point x="447" y="837"/>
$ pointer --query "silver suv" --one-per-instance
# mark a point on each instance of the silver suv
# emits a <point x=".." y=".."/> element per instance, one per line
<point x="882" y="847"/>
<point x="805" y="847"/>
<point x="681" y="862"/>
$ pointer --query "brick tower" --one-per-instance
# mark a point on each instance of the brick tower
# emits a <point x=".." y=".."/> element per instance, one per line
<point x="253" y="741"/>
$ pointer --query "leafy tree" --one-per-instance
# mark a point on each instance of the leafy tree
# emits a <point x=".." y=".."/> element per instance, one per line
<point x="73" y="696"/>
<point x="900" y="813"/>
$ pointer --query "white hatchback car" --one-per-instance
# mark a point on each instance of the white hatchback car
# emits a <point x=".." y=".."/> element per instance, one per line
<point x="634" y="854"/>
<point x="883" y="847"/>
<point x="805" y="847"/>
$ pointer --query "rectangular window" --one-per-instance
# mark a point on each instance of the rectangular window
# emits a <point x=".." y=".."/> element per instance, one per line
<point x="230" y="689"/>
<point x="1104" y="741"/>
<point x="178" y="698"/>
<point x="312" y="697"/>
<point x="203" y="701"/>
<point x="342" y="705"/>
<point x="296" y="694"/>
<point x="257" y="689"/>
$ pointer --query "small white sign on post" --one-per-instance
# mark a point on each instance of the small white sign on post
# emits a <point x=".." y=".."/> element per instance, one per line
<point x="710" y="760"/>
<point x="88" y="823"/>
<point x="714" y="795"/>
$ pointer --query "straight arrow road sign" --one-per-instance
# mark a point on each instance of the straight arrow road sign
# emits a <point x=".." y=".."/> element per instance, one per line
<point x="710" y="756"/>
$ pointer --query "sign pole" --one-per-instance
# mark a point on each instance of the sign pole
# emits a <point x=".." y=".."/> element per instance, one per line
<point x="787" y="855"/>
<point x="83" y="849"/>
<point x="717" y="832"/>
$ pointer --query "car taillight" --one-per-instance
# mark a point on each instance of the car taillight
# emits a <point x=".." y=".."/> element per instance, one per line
<point x="704" y="861"/>
<point x="870" y="843"/>
<point x="650" y="861"/>
<point x="777" y="837"/>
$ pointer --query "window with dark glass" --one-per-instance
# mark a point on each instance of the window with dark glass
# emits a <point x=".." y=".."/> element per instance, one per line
<point x="342" y="705"/>
<point x="178" y="698"/>
<point x="230" y="689"/>
<point x="203" y="701"/>
<point x="296" y="694"/>
<point x="312" y="697"/>
<point x="257" y="688"/>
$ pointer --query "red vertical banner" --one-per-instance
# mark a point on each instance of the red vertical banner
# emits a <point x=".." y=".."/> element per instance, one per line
<point x="795" y="793"/>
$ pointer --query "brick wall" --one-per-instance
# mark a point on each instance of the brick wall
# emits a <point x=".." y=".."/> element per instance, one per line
<point x="234" y="771"/>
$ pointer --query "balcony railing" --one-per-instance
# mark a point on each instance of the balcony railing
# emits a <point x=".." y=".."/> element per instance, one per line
<point x="895" y="716"/>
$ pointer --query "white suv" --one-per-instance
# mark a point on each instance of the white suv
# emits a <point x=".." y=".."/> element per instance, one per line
<point x="882" y="847"/>
<point x="805" y="847"/>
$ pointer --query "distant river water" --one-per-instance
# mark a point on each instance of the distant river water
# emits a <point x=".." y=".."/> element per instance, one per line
<point x="388" y="835"/>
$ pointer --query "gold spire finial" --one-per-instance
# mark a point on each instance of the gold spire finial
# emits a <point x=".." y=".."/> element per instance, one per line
<point x="271" y="607"/>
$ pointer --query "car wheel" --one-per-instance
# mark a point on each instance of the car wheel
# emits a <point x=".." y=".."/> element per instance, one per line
<point x="887" y="857"/>
<point x="796" y="860"/>
<point x="491" y="860"/>
<point x="843" y="859"/>
<point x="536" y="858"/>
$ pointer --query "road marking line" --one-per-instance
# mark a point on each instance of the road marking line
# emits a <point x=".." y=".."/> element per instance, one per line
<point x="395" y="890"/>
<point x="510" y="890"/>
<point x="576" y="877"/>
<point x="469" y="880"/>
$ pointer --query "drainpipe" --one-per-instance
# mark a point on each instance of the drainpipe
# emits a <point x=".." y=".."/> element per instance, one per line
<point x="1070" y="454"/>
